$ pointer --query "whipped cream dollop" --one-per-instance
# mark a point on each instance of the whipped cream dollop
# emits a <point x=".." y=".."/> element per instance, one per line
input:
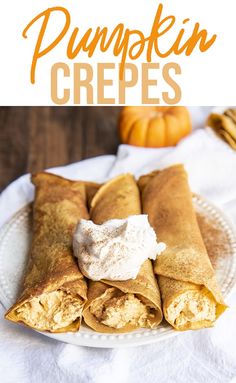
<point x="116" y="249"/>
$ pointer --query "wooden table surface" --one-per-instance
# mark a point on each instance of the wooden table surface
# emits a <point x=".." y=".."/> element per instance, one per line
<point x="35" y="138"/>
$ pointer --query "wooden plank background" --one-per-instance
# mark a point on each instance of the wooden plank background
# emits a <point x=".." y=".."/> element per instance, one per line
<point x="35" y="138"/>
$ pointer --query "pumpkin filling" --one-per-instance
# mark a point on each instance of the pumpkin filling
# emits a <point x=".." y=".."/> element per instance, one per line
<point x="51" y="311"/>
<point x="191" y="307"/>
<point x="116" y="309"/>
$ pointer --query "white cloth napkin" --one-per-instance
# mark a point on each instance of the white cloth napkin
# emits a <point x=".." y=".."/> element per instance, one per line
<point x="204" y="356"/>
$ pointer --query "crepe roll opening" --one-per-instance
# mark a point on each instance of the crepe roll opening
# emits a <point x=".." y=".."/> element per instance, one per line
<point x="191" y="309"/>
<point x="51" y="311"/>
<point x="117" y="309"/>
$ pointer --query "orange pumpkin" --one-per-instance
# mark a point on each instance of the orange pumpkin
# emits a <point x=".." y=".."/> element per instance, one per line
<point x="154" y="126"/>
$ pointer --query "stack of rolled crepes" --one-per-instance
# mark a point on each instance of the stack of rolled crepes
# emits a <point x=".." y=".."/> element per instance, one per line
<point x="55" y="295"/>
<point x="224" y="125"/>
<point x="191" y="297"/>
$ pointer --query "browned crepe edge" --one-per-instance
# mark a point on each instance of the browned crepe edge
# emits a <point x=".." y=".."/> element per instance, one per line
<point x="91" y="190"/>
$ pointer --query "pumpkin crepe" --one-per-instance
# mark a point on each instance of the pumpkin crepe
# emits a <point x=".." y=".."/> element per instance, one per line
<point x="121" y="306"/>
<point x="190" y="294"/>
<point x="54" y="290"/>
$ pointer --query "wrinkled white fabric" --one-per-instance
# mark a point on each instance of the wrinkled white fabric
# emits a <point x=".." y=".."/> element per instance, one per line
<point x="203" y="356"/>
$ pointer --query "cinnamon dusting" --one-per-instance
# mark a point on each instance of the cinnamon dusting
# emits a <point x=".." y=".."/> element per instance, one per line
<point x="214" y="237"/>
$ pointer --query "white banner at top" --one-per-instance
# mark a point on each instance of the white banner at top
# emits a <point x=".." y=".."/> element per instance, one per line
<point x="133" y="52"/>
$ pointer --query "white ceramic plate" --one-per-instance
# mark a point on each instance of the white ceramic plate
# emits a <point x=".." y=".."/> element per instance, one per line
<point x="15" y="237"/>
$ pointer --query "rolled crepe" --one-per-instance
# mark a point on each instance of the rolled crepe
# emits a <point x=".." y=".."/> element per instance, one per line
<point x="54" y="290"/>
<point x="190" y="294"/>
<point x="121" y="306"/>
